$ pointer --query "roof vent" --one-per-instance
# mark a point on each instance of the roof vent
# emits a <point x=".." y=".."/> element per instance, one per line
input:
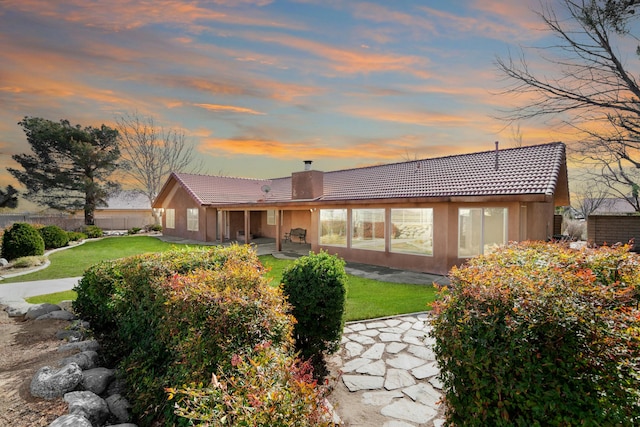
<point x="307" y="165"/>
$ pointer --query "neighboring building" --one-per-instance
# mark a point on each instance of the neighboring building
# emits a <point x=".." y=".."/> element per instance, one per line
<point x="614" y="206"/>
<point x="125" y="209"/>
<point x="423" y="215"/>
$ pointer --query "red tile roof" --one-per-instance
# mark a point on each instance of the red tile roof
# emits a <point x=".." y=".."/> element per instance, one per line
<point x="520" y="171"/>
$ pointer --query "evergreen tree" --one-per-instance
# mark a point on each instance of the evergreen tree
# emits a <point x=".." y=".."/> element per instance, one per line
<point x="70" y="166"/>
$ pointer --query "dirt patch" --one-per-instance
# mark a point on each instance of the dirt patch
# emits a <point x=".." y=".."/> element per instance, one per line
<point x="25" y="347"/>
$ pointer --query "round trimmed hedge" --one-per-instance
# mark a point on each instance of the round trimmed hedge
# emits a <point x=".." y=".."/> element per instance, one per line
<point x="21" y="240"/>
<point x="54" y="237"/>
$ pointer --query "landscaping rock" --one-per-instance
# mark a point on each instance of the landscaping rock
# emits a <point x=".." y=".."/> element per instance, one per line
<point x="49" y="383"/>
<point x="71" y="421"/>
<point x="89" y="405"/>
<point x="80" y="346"/>
<point x="96" y="380"/>
<point x="38" y="310"/>
<point x="3" y="262"/>
<point x="86" y="360"/>
<point x="119" y="407"/>
<point x="57" y="314"/>
<point x="69" y="335"/>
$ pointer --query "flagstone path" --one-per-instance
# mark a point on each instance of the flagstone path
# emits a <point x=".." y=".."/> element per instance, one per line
<point x="387" y="374"/>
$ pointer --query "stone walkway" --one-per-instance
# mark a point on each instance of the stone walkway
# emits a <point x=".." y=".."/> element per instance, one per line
<point x="389" y="369"/>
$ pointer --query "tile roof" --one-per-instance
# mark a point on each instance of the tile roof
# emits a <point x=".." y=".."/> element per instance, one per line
<point x="521" y="171"/>
<point x="525" y="170"/>
<point x="210" y="190"/>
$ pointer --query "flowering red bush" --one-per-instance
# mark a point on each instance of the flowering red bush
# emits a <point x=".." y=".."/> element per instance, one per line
<point x="540" y="334"/>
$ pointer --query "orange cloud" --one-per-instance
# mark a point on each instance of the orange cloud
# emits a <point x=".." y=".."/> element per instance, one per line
<point x="228" y="109"/>
<point x="406" y="116"/>
<point x="380" y="149"/>
<point x="119" y="15"/>
<point x="349" y="61"/>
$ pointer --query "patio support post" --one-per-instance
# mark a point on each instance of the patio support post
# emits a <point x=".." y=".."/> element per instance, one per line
<point x="278" y="231"/>
<point x="247" y="226"/>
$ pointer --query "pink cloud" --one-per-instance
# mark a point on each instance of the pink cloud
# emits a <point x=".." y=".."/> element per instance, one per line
<point x="217" y="108"/>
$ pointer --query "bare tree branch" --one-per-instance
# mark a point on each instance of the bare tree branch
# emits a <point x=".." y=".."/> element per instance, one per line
<point x="151" y="153"/>
<point x="592" y="89"/>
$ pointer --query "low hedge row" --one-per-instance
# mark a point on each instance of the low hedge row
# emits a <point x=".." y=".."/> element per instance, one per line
<point x="176" y="318"/>
<point x="539" y="334"/>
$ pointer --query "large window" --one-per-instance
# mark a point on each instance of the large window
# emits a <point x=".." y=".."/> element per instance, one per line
<point x="192" y="219"/>
<point x="481" y="230"/>
<point x="367" y="229"/>
<point x="170" y="218"/>
<point x="333" y="227"/>
<point x="412" y="231"/>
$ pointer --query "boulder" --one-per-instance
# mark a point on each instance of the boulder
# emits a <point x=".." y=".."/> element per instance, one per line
<point x="57" y="315"/>
<point x="119" y="407"/>
<point x="96" y="380"/>
<point x="71" y="421"/>
<point x="89" y="405"/>
<point x="3" y="262"/>
<point x="49" y="383"/>
<point x="86" y="360"/>
<point x="40" y="309"/>
<point x="80" y="346"/>
<point x="69" y="335"/>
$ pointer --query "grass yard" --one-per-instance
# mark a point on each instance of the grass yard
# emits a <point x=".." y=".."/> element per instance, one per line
<point x="366" y="298"/>
<point x="74" y="261"/>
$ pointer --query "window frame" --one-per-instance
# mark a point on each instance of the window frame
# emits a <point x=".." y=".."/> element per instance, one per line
<point x="193" y="219"/>
<point x="365" y="236"/>
<point x="480" y="247"/>
<point x="322" y="238"/>
<point x="428" y="234"/>
<point x="170" y="218"/>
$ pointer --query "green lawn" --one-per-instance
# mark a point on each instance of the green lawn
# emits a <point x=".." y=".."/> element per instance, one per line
<point x="366" y="298"/>
<point x="74" y="261"/>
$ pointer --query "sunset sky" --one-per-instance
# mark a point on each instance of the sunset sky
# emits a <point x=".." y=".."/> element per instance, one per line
<point x="259" y="86"/>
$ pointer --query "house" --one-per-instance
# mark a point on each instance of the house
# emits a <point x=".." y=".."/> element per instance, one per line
<point x="422" y="215"/>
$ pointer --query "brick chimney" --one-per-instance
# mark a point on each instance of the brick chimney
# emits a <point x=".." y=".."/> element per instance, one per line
<point x="307" y="184"/>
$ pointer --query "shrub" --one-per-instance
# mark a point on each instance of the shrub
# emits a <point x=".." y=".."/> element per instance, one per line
<point x="21" y="240"/>
<point x="54" y="237"/>
<point x="315" y="286"/>
<point x="92" y="231"/>
<point x="575" y="229"/>
<point x="265" y="387"/>
<point x="134" y="230"/>
<point x="28" y="261"/>
<point x="539" y="334"/>
<point x="75" y="236"/>
<point x="177" y="317"/>
<point x="152" y="227"/>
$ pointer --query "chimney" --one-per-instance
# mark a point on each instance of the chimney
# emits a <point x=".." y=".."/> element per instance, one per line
<point x="307" y="184"/>
<point x="497" y="151"/>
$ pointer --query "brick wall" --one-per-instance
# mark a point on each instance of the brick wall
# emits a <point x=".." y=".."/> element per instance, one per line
<point x="610" y="229"/>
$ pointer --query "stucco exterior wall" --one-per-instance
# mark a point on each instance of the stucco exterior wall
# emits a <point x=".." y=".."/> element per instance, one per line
<point x="180" y="201"/>
<point x="532" y="222"/>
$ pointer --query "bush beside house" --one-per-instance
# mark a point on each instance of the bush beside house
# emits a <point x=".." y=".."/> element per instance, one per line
<point x="191" y="323"/>
<point x="540" y="334"/>
<point x="315" y="286"/>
